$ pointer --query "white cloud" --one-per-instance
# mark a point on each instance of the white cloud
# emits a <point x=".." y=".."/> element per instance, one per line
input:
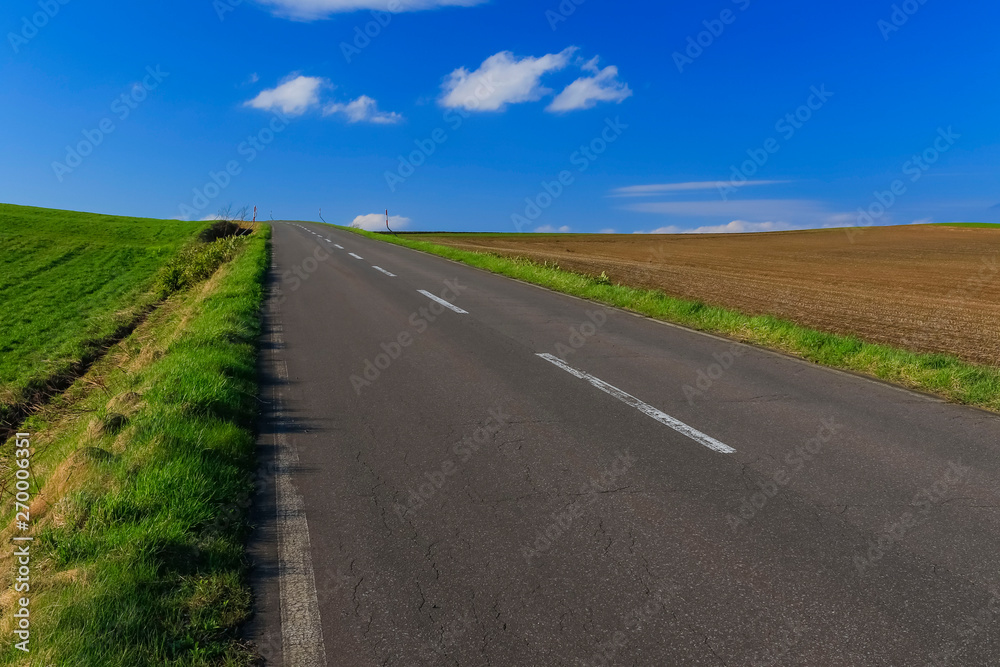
<point x="375" y="222"/>
<point x="549" y="229"/>
<point x="607" y="231"/>
<point x="734" y="227"/>
<point x="761" y="209"/>
<point x="298" y="94"/>
<point x="502" y="79"/>
<point x="586" y="92"/>
<point x="363" y="110"/>
<point x="746" y="215"/>
<point x="660" y="188"/>
<point x="841" y="220"/>
<point x="923" y="221"/>
<point x="309" y="10"/>
<point x="294" y="96"/>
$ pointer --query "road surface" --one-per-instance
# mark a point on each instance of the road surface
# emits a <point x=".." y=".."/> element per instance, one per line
<point x="462" y="469"/>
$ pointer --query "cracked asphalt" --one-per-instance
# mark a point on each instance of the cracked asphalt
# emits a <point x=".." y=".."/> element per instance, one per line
<point x="469" y="503"/>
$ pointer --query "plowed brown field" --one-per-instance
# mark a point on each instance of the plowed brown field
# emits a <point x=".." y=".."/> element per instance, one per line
<point x="925" y="288"/>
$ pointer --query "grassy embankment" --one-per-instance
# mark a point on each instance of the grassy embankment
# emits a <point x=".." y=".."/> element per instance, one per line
<point x="71" y="283"/>
<point x="941" y="374"/>
<point x="143" y="468"/>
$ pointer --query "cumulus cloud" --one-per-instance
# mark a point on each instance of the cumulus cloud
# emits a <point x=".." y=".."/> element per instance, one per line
<point x="734" y="227"/>
<point x="294" y="96"/>
<point x="586" y="92"/>
<point x="690" y="186"/>
<point x="502" y="79"/>
<point x="298" y="94"/>
<point x="375" y="222"/>
<point x="549" y="229"/>
<point x="310" y="10"/>
<point x="363" y="110"/>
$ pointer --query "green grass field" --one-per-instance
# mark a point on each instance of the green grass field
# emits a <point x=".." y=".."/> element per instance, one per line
<point x="146" y="466"/>
<point x="70" y="283"/>
<point x="968" y="224"/>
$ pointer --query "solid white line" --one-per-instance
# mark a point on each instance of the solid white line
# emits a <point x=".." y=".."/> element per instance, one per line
<point x="355" y="256"/>
<point x="645" y="408"/>
<point x="301" y="629"/>
<point x="442" y="302"/>
<point x="379" y="268"/>
<point x="337" y="245"/>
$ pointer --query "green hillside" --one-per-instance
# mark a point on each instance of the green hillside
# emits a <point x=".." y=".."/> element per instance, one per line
<point x="70" y="283"/>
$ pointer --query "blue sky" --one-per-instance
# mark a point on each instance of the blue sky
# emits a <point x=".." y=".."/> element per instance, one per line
<point x="509" y="115"/>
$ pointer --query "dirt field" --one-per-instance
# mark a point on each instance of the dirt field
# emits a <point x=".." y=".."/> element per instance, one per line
<point x="927" y="288"/>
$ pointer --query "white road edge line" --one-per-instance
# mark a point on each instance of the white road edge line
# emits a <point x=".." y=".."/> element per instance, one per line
<point x="379" y="268"/>
<point x="301" y="629"/>
<point x="355" y="256"/>
<point x="645" y="408"/>
<point x="443" y="302"/>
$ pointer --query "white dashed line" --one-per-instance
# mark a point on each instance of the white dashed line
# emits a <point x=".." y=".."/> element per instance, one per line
<point x="379" y="268"/>
<point x="355" y="256"/>
<point x="443" y="302"/>
<point x="645" y="408"/>
<point x="336" y="245"/>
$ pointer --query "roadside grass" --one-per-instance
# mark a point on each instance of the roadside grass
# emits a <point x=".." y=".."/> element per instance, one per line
<point x="945" y="375"/>
<point x="967" y="224"/>
<point x="143" y="471"/>
<point x="71" y="283"/>
<point x="560" y="235"/>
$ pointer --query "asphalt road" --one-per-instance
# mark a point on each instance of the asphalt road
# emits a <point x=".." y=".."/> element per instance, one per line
<point x="435" y="492"/>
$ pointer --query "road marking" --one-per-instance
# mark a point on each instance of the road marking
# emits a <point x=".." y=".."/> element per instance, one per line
<point x="379" y="268"/>
<point x="301" y="629"/>
<point x="443" y="302"/>
<point x="355" y="256"/>
<point x="645" y="408"/>
<point x="337" y="245"/>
